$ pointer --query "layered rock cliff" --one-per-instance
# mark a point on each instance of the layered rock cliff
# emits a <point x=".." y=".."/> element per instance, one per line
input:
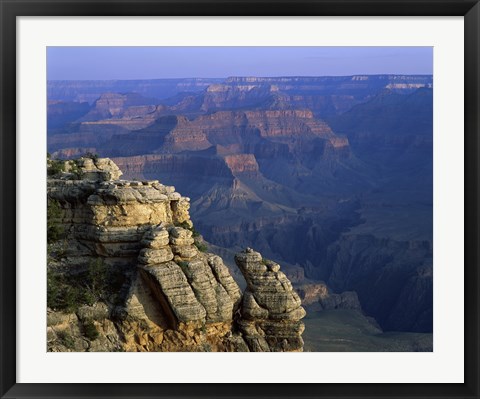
<point x="91" y="90"/>
<point x="235" y="131"/>
<point x="324" y="95"/>
<point x="142" y="279"/>
<point x="271" y="310"/>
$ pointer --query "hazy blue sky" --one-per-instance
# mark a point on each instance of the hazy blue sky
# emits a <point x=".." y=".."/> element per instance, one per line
<point x="65" y="63"/>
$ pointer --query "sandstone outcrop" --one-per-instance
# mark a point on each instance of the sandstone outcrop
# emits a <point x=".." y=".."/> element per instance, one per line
<point x="99" y="169"/>
<point x="166" y="292"/>
<point x="271" y="310"/>
<point x="195" y="286"/>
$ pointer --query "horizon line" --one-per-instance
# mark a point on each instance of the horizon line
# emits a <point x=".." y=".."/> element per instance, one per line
<point x="251" y="76"/>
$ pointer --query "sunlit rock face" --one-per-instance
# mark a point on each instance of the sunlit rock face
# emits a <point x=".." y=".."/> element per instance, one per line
<point x="271" y="310"/>
<point x="170" y="295"/>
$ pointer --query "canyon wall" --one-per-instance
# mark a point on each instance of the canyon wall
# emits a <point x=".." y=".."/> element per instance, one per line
<point x="90" y="90"/>
<point x="329" y="176"/>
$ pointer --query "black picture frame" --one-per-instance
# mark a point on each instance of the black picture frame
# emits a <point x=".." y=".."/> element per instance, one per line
<point x="10" y="9"/>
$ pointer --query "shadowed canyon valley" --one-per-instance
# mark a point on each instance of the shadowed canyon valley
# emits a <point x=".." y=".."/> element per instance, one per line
<point x="328" y="177"/>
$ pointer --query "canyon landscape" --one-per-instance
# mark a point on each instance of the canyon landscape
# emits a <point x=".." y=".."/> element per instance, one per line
<point x="241" y="214"/>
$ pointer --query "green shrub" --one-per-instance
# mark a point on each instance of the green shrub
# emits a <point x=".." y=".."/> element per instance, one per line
<point x="99" y="282"/>
<point x="88" y="297"/>
<point x="183" y="225"/>
<point x="195" y="233"/>
<point x="53" y="289"/>
<point x="97" y="278"/>
<point x="201" y="246"/>
<point x="75" y="169"/>
<point x="66" y="339"/>
<point x="55" y="167"/>
<point x="89" y="330"/>
<point x="61" y="294"/>
<point x="54" y="227"/>
<point x="59" y="250"/>
<point x="104" y="282"/>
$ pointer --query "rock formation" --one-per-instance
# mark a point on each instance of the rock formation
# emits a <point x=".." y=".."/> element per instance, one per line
<point x="190" y="286"/>
<point x="164" y="292"/>
<point x="271" y="310"/>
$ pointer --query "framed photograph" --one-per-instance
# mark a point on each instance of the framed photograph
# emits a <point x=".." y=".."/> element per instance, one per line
<point x="240" y="199"/>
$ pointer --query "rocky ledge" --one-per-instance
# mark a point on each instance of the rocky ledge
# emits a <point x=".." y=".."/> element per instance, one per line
<point x="153" y="285"/>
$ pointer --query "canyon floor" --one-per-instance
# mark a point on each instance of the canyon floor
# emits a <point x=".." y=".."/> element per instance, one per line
<point x="349" y="331"/>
